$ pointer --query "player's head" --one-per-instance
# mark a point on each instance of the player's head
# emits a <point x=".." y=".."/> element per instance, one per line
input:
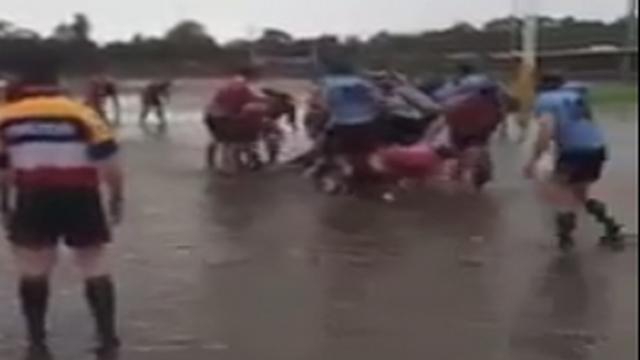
<point x="249" y="72"/>
<point x="34" y="71"/>
<point x="384" y="80"/>
<point x="466" y="69"/>
<point x="551" y="80"/>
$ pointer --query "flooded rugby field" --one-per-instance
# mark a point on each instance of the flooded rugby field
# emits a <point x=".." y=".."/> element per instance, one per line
<point x="263" y="267"/>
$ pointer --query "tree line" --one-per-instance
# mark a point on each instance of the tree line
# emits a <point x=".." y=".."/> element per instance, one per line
<point x="188" y="49"/>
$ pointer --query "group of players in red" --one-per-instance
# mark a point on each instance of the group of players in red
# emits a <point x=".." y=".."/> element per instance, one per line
<point x="239" y="117"/>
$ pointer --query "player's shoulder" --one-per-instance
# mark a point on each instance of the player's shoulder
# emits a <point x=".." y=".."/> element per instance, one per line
<point x="42" y="105"/>
<point x="72" y="109"/>
<point x="551" y="97"/>
<point x="5" y="110"/>
<point x="72" y="106"/>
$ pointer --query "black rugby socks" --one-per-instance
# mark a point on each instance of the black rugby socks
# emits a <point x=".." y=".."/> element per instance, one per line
<point x="599" y="211"/>
<point x="34" y="299"/>
<point x="100" y="294"/>
<point x="565" y="225"/>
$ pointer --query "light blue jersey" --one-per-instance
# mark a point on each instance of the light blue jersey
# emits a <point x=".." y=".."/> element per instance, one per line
<point x="351" y="100"/>
<point x="574" y="126"/>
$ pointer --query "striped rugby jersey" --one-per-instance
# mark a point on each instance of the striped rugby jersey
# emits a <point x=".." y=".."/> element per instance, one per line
<point x="52" y="142"/>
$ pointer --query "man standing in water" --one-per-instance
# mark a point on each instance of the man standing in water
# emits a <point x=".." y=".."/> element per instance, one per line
<point x="54" y="155"/>
<point x="101" y="89"/>
<point x="153" y="98"/>
<point x="565" y="118"/>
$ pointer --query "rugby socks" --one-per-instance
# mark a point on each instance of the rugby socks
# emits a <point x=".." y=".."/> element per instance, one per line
<point x="565" y="225"/>
<point x="34" y="298"/>
<point x="100" y="294"/>
<point x="599" y="211"/>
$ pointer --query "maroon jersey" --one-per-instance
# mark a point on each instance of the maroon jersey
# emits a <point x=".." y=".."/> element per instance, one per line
<point x="155" y="93"/>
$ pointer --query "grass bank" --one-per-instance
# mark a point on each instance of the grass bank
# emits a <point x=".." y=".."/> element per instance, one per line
<point x="614" y="94"/>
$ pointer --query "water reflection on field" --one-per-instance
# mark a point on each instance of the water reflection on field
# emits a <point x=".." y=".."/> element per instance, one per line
<point x="263" y="267"/>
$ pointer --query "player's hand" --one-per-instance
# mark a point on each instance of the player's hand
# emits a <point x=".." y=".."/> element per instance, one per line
<point x="529" y="170"/>
<point x="116" y="210"/>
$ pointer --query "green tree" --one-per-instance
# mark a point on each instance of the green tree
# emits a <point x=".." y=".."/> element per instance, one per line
<point x="63" y="32"/>
<point x="9" y="31"/>
<point x="5" y="28"/>
<point x="81" y="27"/>
<point x="189" y="32"/>
<point x="79" y="30"/>
<point x="510" y="23"/>
<point x="276" y="36"/>
<point x="462" y="27"/>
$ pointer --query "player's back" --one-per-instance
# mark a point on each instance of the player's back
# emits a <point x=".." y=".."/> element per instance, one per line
<point x="53" y="141"/>
<point x="232" y="97"/>
<point x="351" y="100"/>
<point x="573" y="120"/>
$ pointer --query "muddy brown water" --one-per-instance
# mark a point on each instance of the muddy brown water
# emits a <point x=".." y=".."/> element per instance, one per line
<point x="262" y="267"/>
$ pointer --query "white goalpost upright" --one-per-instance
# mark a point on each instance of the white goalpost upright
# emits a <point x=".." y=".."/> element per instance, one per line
<point x="530" y="36"/>
<point x="632" y="34"/>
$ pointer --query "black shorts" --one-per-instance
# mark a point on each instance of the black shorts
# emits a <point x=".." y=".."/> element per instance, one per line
<point x="354" y="139"/>
<point x="404" y="131"/>
<point x="463" y="142"/>
<point x="211" y="122"/>
<point x="44" y="218"/>
<point x="580" y="166"/>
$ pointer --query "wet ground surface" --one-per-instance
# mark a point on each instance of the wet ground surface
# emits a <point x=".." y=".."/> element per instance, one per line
<point x="262" y="267"/>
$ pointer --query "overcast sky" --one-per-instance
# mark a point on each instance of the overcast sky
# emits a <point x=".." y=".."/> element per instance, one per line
<point x="228" y="19"/>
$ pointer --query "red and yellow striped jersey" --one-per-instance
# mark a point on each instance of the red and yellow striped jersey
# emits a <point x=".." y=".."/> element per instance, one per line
<point x="53" y="141"/>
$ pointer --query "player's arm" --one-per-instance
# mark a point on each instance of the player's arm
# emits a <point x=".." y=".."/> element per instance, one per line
<point x="289" y="107"/>
<point x="5" y="185"/>
<point x="115" y="99"/>
<point x="103" y="151"/>
<point x="418" y="100"/>
<point x="291" y="114"/>
<point x="435" y="129"/>
<point x="5" y="191"/>
<point x="112" y="175"/>
<point x="318" y="111"/>
<point x="5" y="197"/>
<point x="542" y="142"/>
<point x="544" y="137"/>
<point x="316" y="99"/>
<point x="376" y="94"/>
